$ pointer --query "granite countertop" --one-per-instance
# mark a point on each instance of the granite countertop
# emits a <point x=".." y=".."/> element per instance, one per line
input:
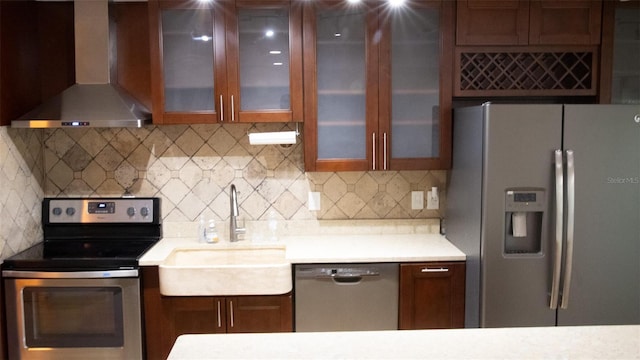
<point x="580" y="342"/>
<point x="328" y="241"/>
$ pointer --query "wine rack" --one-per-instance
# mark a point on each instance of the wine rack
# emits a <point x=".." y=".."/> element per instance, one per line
<point x="526" y="71"/>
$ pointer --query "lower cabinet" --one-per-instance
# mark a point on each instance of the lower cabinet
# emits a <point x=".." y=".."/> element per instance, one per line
<point x="431" y="295"/>
<point x="167" y="317"/>
<point x="238" y="314"/>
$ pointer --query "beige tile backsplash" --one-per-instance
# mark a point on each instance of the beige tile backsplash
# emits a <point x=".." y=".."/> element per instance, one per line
<point x="191" y="169"/>
<point x="21" y="192"/>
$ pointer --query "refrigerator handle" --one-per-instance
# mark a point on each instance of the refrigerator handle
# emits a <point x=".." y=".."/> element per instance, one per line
<point x="557" y="260"/>
<point x="568" y="261"/>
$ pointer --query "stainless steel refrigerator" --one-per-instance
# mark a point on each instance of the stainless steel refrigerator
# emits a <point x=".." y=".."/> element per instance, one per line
<point x="545" y="202"/>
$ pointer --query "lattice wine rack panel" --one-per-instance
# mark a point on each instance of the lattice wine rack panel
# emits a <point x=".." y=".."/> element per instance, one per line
<point x="525" y="71"/>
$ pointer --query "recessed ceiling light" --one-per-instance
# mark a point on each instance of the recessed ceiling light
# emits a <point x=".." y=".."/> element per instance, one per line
<point x="277" y="63"/>
<point x="396" y="3"/>
<point x="275" y="52"/>
<point x="269" y="33"/>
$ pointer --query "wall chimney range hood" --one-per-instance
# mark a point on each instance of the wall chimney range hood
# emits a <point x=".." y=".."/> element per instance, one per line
<point x="95" y="100"/>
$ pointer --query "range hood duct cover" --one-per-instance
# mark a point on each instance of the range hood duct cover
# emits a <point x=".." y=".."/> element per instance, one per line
<point x="95" y="100"/>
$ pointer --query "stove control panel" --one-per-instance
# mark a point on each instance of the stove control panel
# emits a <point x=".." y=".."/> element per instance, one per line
<point x="97" y="210"/>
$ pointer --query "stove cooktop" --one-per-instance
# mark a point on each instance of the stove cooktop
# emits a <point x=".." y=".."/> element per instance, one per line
<point x="73" y="256"/>
<point x="83" y="234"/>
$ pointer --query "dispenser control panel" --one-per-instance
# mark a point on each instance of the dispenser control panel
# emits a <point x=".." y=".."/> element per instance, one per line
<point x="524" y="212"/>
<point x="524" y="200"/>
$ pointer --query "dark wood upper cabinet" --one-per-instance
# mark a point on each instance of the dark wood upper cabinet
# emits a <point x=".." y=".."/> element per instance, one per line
<point x="527" y="48"/>
<point x="554" y="22"/>
<point x="377" y="85"/>
<point x="36" y="57"/>
<point x="528" y="22"/>
<point x="492" y="22"/>
<point x="133" y="58"/>
<point x="226" y="61"/>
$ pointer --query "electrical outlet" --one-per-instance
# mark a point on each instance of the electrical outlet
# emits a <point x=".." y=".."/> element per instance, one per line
<point x="433" y="200"/>
<point x="314" y="201"/>
<point x="417" y="200"/>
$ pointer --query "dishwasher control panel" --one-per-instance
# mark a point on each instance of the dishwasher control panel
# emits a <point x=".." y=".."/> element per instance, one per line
<point x="324" y="272"/>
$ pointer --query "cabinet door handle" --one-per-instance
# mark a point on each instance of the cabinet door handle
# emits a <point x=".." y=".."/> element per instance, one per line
<point x="231" y="306"/>
<point x="435" y="270"/>
<point x="233" y="110"/>
<point x="219" y="314"/>
<point x="373" y="150"/>
<point x="221" y="110"/>
<point x="384" y="151"/>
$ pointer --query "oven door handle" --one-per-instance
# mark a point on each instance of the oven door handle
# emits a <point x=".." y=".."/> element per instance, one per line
<point x="100" y="274"/>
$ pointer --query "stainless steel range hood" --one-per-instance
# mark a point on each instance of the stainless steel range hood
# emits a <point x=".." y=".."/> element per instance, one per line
<point x="95" y="100"/>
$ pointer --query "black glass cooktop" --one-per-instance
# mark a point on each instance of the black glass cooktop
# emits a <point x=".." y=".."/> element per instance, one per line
<point x="80" y="255"/>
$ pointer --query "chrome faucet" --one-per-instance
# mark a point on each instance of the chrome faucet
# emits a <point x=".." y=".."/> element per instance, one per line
<point x="234" y="230"/>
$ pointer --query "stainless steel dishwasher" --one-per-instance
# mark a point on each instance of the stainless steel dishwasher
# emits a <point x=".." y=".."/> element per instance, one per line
<point x="340" y="297"/>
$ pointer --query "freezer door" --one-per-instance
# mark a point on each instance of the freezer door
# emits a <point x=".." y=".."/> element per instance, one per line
<point x="605" y="281"/>
<point x="519" y="146"/>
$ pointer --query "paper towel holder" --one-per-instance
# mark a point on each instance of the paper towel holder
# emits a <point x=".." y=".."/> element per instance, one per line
<point x="283" y="138"/>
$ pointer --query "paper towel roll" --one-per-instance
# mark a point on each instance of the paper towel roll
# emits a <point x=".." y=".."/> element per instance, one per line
<point x="519" y="224"/>
<point x="272" y="138"/>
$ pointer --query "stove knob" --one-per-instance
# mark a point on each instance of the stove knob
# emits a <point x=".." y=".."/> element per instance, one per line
<point x="144" y="211"/>
<point x="57" y="211"/>
<point x="70" y="211"/>
<point x="131" y="211"/>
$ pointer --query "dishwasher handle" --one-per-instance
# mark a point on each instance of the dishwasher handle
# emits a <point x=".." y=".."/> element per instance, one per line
<point x="347" y="276"/>
<point x="347" y="280"/>
<point x="352" y="278"/>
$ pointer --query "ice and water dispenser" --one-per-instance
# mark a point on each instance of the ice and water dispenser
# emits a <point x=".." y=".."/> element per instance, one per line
<point x="524" y="210"/>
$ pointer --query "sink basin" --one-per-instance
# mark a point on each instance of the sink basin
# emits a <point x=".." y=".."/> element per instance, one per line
<point x="225" y="271"/>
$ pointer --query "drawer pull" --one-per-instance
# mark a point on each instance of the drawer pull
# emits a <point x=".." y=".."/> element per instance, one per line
<point x="435" y="270"/>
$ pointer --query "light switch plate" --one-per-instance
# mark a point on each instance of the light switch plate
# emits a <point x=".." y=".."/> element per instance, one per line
<point x="417" y="200"/>
<point x="314" y="201"/>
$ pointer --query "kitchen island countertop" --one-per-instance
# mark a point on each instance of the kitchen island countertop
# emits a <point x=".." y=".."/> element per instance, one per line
<point x="581" y="342"/>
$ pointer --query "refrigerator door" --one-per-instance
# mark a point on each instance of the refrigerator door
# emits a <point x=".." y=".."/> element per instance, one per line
<point x="605" y="281"/>
<point x="518" y="153"/>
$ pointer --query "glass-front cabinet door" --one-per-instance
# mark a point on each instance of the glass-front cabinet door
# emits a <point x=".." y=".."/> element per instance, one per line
<point x="188" y="68"/>
<point x="264" y="52"/>
<point x="625" y="87"/>
<point x="376" y="94"/>
<point x="415" y="109"/>
<point x="337" y="90"/>
<point x="226" y="61"/>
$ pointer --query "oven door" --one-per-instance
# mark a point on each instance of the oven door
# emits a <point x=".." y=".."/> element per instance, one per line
<point x="73" y="315"/>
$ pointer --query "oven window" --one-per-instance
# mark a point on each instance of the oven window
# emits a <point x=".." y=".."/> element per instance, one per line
<point x="73" y="317"/>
